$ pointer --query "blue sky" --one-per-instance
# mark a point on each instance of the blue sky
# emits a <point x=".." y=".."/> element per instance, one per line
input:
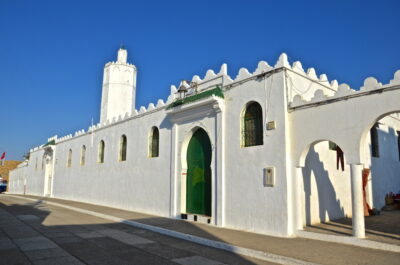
<point x="52" y="53"/>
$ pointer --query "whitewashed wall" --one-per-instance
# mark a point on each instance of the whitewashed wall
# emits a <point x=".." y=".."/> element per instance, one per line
<point x="17" y="179"/>
<point x="140" y="183"/>
<point x="35" y="173"/>
<point x="249" y="204"/>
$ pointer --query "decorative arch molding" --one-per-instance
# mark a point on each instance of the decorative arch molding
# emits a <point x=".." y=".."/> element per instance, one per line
<point x="188" y="135"/>
<point x="364" y="134"/>
<point x="300" y="162"/>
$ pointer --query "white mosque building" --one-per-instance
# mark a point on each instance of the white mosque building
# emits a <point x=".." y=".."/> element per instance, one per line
<point x="261" y="152"/>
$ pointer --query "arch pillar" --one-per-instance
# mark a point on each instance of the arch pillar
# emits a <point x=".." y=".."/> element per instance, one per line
<point x="299" y="204"/>
<point x="357" y="201"/>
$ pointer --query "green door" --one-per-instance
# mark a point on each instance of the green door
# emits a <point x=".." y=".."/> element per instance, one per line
<point x="198" y="183"/>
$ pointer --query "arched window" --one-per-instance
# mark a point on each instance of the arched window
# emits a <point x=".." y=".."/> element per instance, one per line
<point x="252" y="125"/>
<point x="69" y="158"/>
<point x="122" y="148"/>
<point x="83" y="155"/>
<point x="374" y="140"/>
<point x="101" y="152"/>
<point x="154" y="139"/>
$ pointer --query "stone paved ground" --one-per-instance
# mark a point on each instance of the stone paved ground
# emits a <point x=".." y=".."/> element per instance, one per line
<point x="34" y="233"/>
<point x="383" y="228"/>
<point x="97" y="241"/>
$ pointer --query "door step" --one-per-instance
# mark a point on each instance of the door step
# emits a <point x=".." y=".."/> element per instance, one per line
<point x="196" y="218"/>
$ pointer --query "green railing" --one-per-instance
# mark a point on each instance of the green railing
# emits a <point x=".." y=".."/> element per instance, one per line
<point x="52" y="142"/>
<point x="213" y="92"/>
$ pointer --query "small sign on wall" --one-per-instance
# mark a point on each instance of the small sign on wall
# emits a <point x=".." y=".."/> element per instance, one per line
<point x="269" y="176"/>
<point x="271" y="125"/>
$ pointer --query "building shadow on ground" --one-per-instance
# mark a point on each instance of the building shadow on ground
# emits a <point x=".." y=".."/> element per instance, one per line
<point x="93" y="240"/>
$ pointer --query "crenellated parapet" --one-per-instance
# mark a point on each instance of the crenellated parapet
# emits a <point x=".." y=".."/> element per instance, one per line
<point x="344" y="91"/>
<point x="304" y="87"/>
<point x="120" y="63"/>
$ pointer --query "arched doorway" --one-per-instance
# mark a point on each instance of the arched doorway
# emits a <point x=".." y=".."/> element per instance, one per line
<point x="48" y="174"/>
<point x="380" y="152"/>
<point x="198" y="181"/>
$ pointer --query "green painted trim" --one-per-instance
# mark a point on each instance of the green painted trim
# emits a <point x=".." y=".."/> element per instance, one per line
<point x="52" y="142"/>
<point x="213" y="92"/>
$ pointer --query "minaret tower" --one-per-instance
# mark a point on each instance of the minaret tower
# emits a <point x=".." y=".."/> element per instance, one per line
<point x="119" y="87"/>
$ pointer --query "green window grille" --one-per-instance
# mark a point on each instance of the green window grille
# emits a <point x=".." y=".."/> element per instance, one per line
<point x="154" y="142"/>
<point x="253" y="125"/>
<point x="101" y="152"/>
<point x="83" y="155"/>
<point x="122" y="148"/>
<point x="374" y="140"/>
<point x="332" y="146"/>
<point x="398" y="143"/>
<point x="69" y="159"/>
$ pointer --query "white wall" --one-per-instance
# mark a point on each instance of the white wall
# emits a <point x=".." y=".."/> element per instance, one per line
<point x="30" y="173"/>
<point x="140" y="183"/>
<point x="249" y="204"/>
<point x="17" y="179"/>
<point x="35" y="173"/>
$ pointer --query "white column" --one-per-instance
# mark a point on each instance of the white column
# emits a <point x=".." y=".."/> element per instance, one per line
<point x="174" y="188"/>
<point x="219" y="202"/>
<point x="299" y="200"/>
<point x="357" y="201"/>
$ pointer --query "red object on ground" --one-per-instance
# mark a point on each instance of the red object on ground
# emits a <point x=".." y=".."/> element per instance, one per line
<point x="339" y="158"/>
<point x="365" y="174"/>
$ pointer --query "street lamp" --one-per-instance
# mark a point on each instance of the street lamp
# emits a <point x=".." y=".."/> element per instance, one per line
<point x="182" y="90"/>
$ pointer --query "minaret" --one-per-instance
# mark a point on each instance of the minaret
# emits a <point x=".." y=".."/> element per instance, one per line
<point x="119" y="87"/>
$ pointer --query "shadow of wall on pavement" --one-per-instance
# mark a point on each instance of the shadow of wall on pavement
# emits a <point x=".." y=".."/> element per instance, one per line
<point x="98" y="241"/>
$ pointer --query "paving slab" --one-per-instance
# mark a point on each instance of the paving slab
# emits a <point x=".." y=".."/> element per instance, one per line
<point x="165" y="251"/>
<point x="34" y="243"/>
<point x="91" y="234"/>
<point x="124" y="237"/>
<point x="66" y="239"/>
<point x="59" y="261"/>
<point x="46" y="253"/>
<point x="13" y="256"/>
<point x="197" y="260"/>
<point x="27" y="217"/>
<point x="6" y="243"/>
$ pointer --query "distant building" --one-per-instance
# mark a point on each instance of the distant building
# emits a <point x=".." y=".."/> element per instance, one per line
<point x="269" y="151"/>
<point x="5" y="169"/>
